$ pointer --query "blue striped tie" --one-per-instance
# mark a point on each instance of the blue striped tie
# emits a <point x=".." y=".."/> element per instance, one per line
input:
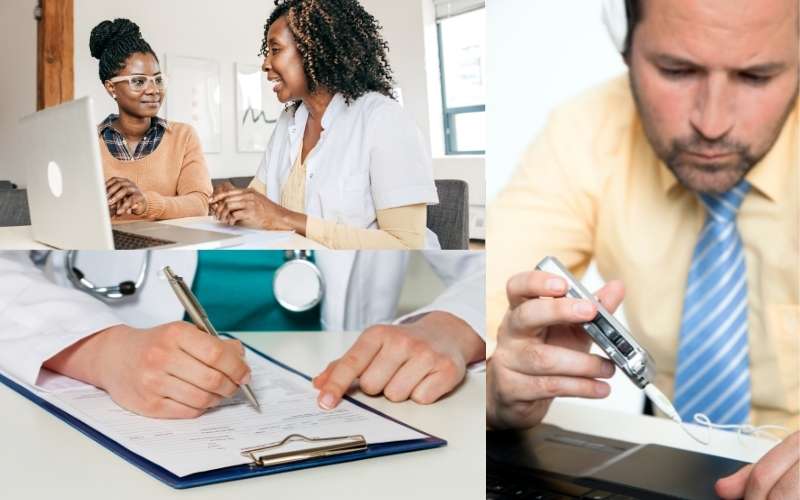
<point x="713" y="375"/>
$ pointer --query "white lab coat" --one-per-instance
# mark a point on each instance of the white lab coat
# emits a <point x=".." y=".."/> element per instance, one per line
<point x="41" y="313"/>
<point x="370" y="156"/>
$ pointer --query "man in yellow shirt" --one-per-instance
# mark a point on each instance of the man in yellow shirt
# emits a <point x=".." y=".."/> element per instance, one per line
<point x="681" y="181"/>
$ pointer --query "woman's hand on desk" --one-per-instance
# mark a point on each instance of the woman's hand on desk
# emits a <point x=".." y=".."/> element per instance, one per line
<point x="775" y="476"/>
<point x="170" y="371"/>
<point x="124" y="197"/>
<point x="542" y="350"/>
<point x="422" y="360"/>
<point x="250" y="208"/>
<point x="219" y="189"/>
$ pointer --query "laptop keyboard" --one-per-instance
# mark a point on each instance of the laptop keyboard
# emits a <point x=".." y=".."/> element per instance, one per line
<point x="130" y="241"/>
<point x="534" y="488"/>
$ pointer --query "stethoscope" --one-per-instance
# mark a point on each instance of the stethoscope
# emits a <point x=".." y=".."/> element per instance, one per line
<point x="298" y="284"/>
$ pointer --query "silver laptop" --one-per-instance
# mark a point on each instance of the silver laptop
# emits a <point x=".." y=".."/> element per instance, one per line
<point x="66" y="190"/>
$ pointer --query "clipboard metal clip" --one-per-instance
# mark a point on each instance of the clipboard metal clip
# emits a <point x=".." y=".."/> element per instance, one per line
<point x="296" y="447"/>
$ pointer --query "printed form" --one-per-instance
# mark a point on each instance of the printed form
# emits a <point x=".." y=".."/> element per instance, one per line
<point x="217" y="438"/>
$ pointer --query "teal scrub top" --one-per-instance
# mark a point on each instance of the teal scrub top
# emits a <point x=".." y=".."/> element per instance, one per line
<point x="235" y="289"/>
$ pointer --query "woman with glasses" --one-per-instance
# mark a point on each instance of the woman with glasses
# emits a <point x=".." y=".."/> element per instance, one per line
<point x="346" y="165"/>
<point x="154" y="169"/>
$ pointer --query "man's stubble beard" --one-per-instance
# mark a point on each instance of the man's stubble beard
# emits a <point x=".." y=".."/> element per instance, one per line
<point x="693" y="175"/>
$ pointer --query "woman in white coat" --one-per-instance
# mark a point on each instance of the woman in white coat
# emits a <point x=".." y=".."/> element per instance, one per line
<point x="152" y="364"/>
<point x="345" y="166"/>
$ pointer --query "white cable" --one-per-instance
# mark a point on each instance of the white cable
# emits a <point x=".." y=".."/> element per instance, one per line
<point x="741" y="429"/>
<point x="664" y="404"/>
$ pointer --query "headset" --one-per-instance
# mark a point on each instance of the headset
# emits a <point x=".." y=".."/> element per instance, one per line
<point x="615" y="17"/>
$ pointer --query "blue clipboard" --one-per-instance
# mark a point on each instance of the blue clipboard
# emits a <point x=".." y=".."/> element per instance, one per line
<point x="239" y="471"/>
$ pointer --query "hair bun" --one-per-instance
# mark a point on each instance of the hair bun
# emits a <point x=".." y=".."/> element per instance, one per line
<point x="105" y="33"/>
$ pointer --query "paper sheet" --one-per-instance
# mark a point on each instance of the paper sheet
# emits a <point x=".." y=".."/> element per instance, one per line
<point x="216" y="439"/>
<point x="243" y="231"/>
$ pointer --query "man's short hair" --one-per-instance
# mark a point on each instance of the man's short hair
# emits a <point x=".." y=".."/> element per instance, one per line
<point x="634" y="9"/>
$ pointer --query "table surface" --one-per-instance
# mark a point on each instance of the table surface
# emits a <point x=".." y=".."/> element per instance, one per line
<point x="19" y="237"/>
<point x="574" y="416"/>
<point x="43" y="457"/>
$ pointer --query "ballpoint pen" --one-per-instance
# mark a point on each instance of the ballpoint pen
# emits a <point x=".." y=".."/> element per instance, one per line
<point x="200" y="318"/>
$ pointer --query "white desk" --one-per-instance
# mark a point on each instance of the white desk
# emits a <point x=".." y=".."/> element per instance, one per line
<point x="633" y="428"/>
<point x="43" y="457"/>
<point x="19" y="237"/>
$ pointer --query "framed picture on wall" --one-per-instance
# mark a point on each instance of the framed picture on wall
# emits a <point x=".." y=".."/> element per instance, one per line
<point x="195" y="97"/>
<point x="257" y="109"/>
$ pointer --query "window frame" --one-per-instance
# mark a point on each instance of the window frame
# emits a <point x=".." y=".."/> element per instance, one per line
<point x="449" y="114"/>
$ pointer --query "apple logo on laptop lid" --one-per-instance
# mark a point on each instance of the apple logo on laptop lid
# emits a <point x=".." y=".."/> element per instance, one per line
<point x="54" y="179"/>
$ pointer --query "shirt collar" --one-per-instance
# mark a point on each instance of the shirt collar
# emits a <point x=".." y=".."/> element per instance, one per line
<point x="333" y="110"/>
<point x="668" y="179"/>
<point x="107" y="123"/>
<point x="156" y="121"/>
<point x="769" y="175"/>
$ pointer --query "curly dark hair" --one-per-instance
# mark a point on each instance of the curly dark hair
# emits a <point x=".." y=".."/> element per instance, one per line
<point x="340" y="43"/>
<point x="113" y="42"/>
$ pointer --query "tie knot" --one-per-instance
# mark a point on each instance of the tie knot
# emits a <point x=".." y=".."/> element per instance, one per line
<point x="723" y="207"/>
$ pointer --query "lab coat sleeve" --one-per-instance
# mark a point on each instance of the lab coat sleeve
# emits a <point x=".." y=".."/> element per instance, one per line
<point x="39" y="319"/>
<point x="463" y="273"/>
<point x="401" y="169"/>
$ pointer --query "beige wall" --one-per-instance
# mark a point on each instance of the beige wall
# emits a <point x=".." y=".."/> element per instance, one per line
<point x="18" y="84"/>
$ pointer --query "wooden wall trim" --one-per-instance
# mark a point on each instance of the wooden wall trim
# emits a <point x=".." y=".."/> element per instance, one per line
<point x="55" y="53"/>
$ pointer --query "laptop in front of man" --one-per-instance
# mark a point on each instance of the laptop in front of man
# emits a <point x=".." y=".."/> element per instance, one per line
<point x="547" y="463"/>
<point x="67" y="196"/>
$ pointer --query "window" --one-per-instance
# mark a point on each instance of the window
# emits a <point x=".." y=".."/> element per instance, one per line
<point x="462" y="60"/>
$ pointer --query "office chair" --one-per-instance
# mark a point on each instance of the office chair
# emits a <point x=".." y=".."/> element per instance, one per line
<point x="13" y="206"/>
<point x="450" y="218"/>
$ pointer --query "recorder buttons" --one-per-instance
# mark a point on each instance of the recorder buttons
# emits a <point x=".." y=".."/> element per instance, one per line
<point x="606" y="328"/>
<point x="624" y="347"/>
<point x="611" y="333"/>
<point x="592" y="330"/>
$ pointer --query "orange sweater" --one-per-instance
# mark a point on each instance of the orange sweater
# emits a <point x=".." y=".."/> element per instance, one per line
<point x="174" y="178"/>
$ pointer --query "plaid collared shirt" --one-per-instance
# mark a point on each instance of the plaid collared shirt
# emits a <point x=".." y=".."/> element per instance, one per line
<point x="117" y="145"/>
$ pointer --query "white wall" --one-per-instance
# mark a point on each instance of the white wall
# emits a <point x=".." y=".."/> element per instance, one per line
<point x="404" y="30"/>
<point x="207" y="28"/>
<point x="542" y="53"/>
<point x="18" y="84"/>
<point x="433" y="73"/>
<point x="230" y="32"/>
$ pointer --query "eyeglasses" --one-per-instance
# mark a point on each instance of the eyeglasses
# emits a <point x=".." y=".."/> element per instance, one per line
<point x="138" y="83"/>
